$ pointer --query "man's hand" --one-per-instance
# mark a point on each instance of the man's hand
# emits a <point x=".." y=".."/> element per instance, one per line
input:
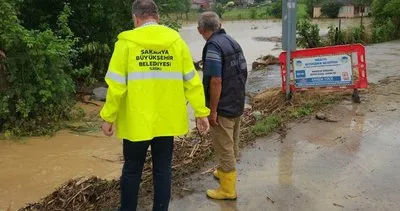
<point x="213" y="118"/>
<point x="108" y="129"/>
<point x="202" y="124"/>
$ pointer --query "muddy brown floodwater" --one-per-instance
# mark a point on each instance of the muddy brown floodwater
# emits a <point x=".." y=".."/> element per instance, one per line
<point x="35" y="168"/>
<point x="32" y="168"/>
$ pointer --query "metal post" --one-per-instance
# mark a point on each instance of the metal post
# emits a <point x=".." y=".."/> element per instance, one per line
<point x="288" y="66"/>
<point x="290" y="7"/>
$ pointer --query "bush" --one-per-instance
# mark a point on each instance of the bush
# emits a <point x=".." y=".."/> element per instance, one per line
<point x="384" y="32"/>
<point x="356" y="35"/>
<point x="335" y="37"/>
<point x="308" y="34"/>
<point x="39" y="89"/>
<point x="253" y="14"/>
<point x="349" y="36"/>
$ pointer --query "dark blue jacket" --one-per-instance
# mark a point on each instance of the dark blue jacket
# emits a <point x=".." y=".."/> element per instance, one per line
<point x="234" y="75"/>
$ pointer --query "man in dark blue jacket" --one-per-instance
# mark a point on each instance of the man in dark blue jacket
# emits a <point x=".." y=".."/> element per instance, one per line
<point x="224" y="80"/>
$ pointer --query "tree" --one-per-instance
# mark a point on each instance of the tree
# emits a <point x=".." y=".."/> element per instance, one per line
<point x="39" y="90"/>
<point x="187" y="4"/>
<point x="386" y="20"/>
<point x="331" y="8"/>
<point x="96" y="23"/>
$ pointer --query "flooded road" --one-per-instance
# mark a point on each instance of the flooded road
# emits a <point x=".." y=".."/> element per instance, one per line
<point x="348" y="165"/>
<point x="249" y="33"/>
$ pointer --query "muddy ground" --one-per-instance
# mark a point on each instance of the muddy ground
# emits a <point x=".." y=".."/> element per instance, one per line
<point x="351" y="164"/>
<point x="312" y="158"/>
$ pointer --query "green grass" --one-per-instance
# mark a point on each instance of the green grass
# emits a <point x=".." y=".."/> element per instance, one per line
<point x="250" y="13"/>
<point x="303" y="111"/>
<point x="267" y="125"/>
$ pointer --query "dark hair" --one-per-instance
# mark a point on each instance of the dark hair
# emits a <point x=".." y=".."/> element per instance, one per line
<point x="144" y="9"/>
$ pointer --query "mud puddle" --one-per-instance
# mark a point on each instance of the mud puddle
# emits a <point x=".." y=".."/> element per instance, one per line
<point x="347" y="165"/>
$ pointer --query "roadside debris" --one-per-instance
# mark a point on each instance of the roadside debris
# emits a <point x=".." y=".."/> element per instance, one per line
<point x="338" y="205"/>
<point x="320" y="116"/>
<point x="264" y="61"/>
<point x="268" y="39"/>
<point x="324" y="117"/>
<point x="270" y="200"/>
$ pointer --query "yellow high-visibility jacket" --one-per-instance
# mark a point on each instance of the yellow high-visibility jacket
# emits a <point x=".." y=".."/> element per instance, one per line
<point x="151" y="76"/>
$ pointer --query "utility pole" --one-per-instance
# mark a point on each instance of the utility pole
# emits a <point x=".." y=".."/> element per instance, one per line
<point x="289" y="36"/>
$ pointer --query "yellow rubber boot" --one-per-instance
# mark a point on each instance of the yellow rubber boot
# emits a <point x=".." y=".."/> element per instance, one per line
<point x="227" y="189"/>
<point x="216" y="174"/>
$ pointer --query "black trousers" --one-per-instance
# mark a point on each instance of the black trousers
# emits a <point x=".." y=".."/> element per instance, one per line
<point x="135" y="155"/>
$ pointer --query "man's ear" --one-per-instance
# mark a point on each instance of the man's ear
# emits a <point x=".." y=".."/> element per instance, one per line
<point x="135" y="20"/>
<point x="200" y="30"/>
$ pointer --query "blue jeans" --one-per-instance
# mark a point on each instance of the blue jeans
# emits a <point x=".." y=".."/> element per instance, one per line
<point x="134" y="156"/>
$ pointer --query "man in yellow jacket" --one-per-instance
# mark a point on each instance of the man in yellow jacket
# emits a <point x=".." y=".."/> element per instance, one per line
<point x="150" y="78"/>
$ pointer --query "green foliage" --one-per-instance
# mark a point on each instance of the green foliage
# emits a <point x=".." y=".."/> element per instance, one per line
<point x="303" y="111"/>
<point x="349" y="36"/>
<point x="308" y="34"/>
<point x="386" y="23"/>
<point x="253" y="13"/>
<point x="335" y="37"/>
<point x="96" y="23"/>
<point x="267" y="125"/>
<point x="219" y="9"/>
<point x="261" y="12"/>
<point x="167" y="7"/>
<point x="171" y="24"/>
<point x="331" y="8"/>
<point x="302" y="12"/>
<point x="356" y="35"/>
<point x="39" y="90"/>
<point x="384" y="32"/>
<point x="276" y="9"/>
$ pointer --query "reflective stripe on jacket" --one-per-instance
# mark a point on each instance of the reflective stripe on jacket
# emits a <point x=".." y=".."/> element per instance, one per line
<point x="150" y="78"/>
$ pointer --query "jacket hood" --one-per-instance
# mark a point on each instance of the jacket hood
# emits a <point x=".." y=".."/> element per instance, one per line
<point x="155" y="37"/>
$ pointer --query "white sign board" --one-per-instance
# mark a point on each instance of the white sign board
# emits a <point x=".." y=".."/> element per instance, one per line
<point x="323" y="71"/>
